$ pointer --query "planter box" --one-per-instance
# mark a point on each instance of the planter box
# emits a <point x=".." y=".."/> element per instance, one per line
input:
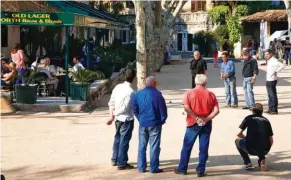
<point x="26" y="94"/>
<point x="79" y="91"/>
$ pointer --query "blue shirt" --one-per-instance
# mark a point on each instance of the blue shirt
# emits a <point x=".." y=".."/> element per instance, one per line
<point x="228" y="67"/>
<point x="149" y="107"/>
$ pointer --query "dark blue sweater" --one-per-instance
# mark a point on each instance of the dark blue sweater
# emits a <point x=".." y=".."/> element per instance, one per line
<point x="149" y="107"/>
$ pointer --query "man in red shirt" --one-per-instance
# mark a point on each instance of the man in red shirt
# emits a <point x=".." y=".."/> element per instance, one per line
<point x="201" y="106"/>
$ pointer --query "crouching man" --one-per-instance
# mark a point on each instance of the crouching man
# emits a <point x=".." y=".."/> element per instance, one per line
<point x="259" y="138"/>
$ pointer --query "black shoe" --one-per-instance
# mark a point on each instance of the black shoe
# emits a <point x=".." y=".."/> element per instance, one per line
<point x="113" y="163"/>
<point x="158" y="171"/>
<point x="249" y="166"/>
<point x="178" y="172"/>
<point x="201" y="174"/>
<point x="268" y="111"/>
<point x="127" y="166"/>
<point x="245" y="108"/>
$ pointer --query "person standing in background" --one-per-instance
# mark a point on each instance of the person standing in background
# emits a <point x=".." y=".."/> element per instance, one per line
<point x="197" y="66"/>
<point x="287" y="52"/>
<point x="273" y="67"/>
<point x="17" y="56"/>
<point x="215" y="58"/>
<point x="249" y="72"/>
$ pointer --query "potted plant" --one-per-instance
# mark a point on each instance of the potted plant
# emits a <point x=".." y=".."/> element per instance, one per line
<point x="82" y="78"/>
<point x="27" y="93"/>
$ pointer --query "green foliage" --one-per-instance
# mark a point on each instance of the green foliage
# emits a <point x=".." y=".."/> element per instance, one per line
<point x="242" y="10"/>
<point x="204" y="40"/>
<point x="221" y="34"/>
<point x="31" y="76"/>
<point x="217" y="12"/>
<point x="85" y="75"/>
<point x="234" y="28"/>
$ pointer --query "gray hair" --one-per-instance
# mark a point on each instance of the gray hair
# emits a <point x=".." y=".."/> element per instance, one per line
<point x="150" y="80"/>
<point x="196" y="52"/>
<point x="201" y="79"/>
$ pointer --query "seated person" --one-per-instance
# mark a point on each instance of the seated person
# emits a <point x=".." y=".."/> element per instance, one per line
<point x="46" y="63"/>
<point x="4" y="65"/>
<point x="259" y="138"/>
<point x="77" y="64"/>
<point x="51" y="78"/>
<point x="7" y="78"/>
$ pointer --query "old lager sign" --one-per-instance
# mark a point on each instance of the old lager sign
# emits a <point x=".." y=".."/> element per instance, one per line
<point x="36" y="18"/>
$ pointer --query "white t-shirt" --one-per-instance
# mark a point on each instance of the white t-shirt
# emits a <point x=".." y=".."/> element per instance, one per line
<point x="76" y="66"/>
<point x="273" y="65"/>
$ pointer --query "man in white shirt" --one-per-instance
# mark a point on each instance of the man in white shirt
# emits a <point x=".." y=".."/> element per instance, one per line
<point x="77" y="64"/>
<point x="120" y="109"/>
<point x="273" y="67"/>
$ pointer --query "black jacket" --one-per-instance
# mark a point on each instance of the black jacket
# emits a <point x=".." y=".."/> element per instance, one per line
<point x="198" y="66"/>
<point x="250" y="67"/>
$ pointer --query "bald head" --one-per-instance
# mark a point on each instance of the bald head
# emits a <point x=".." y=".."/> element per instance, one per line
<point x="150" y="81"/>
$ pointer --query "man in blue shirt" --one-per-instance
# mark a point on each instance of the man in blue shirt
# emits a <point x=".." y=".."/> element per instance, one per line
<point x="227" y="73"/>
<point x="150" y="108"/>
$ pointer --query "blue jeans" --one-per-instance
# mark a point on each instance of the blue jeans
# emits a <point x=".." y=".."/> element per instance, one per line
<point x="248" y="91"/>
<point x="152" y="135"/>
<point x="287" y="56"/>
<point x="272" y="95"/>
<point x="21" y="72"/>
<point x="241" y="147"/>
<point x="121" y="142"/>
<point x="230" y="91"/>
<point x="189" y="140"/>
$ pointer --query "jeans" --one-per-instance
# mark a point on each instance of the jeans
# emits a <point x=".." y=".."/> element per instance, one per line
<point x="287" y="56"/>
<point x="248" y="92"/>
<point x="121" y="142"/>
<point x="272" y="95"/>
<point x="21" y="72"/>
<point x="230" y="91"/>
<point x="152" y="135"/>
<point x="189" y="140"/>
<point x="241" y="147"/>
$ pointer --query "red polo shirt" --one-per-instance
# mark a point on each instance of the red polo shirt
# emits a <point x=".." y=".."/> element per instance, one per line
<point x="201" y="102"/>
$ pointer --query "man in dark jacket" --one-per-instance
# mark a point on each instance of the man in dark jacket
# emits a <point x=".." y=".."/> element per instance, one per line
<point x="249" y="72"/>
<point x="197" y="66"/>
<point x="151" y="111"/>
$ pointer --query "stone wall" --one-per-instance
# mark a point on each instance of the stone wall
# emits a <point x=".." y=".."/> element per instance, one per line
<point x="101" y="87"/>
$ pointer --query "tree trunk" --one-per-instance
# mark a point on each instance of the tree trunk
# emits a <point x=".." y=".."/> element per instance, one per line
<point x="150" y="41"/>
<point x="288" y="11"/>
<point x="141" y="64"/>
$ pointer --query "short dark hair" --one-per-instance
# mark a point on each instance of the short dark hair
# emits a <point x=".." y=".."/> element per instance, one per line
<point x="130" y="74"/>
<point x="258" y="109"/>
<point x="225" y="53"/>
<point x="76" y="57"/>
<point x="269" y="51"/>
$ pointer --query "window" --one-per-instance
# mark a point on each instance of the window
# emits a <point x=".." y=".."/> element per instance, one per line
<point x="123" y="37"/>
<point x="198" y="5"/>
<point x="4" y="36"/>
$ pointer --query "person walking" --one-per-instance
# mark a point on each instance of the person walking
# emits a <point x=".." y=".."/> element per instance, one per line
<point x="279" y="49"/>
<point x="150" y="109"/>
<point x="202" y="107"/>
<point x="287" y="52"/>
<point x="228" y="75"/>
<point x="273" y="67"/>
<point x="249" y="72"/>
<point x="215" y="58"/>
<point x="17" y="56"/>
<point x="259" y="138"/>
<point x="120" y="109"/>
<point x="197" y="66"/>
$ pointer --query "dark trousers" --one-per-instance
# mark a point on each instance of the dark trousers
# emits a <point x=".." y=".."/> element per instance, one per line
<point x="121" y="142"/>
<point x="21" y="73"/>
<point x="193" y="81"/>
<point x="241" y="147"/>
<point x="190" y="136"/>
<point x="152" y="135"/>
<point x="272" y="95"/>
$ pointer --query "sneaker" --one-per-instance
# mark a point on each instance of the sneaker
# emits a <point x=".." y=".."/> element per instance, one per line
<point x="263" y="166"/>
<point x="113" y="163"/>
<point x="234" y="106"/>
<point x="127" y="166"/>
<point x="273" y="113"/>
<point x="178" y="172"/>
<point x="245" y="107"/>
<point x="201" y="174"/>
<point x="158" y="171"/>
<point x="249" y="166"/>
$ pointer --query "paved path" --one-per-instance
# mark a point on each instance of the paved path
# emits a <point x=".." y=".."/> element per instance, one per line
<point x="78" y="146"/>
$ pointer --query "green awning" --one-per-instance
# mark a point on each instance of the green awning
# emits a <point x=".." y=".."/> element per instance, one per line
<point x="55" y="19"/>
